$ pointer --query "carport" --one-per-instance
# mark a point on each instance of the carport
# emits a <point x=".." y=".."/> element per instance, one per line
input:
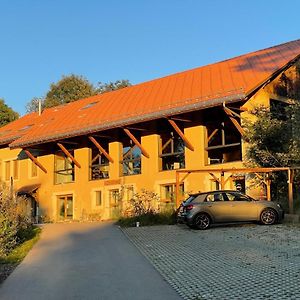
<point x="223" y="175"/>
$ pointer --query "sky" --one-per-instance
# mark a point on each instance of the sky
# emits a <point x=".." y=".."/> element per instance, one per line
<point x="138" y="40"/>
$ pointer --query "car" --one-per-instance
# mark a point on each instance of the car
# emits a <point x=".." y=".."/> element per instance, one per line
<point x="201" y="210"/>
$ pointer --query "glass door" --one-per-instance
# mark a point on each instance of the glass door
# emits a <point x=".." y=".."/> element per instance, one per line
<point x="65" y="207"/>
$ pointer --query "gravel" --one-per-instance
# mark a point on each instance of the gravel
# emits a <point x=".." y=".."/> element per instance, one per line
<point x="225" y="262"/>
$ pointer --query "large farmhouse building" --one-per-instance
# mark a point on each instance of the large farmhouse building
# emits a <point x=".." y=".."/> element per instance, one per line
<point x="86" y="159"/>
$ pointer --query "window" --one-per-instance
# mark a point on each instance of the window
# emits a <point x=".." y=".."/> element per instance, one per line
<point x="239" y="183"/>
<point x="64" y="168"/>
<point x="16" y="169"/>
<point x="99" y="165"/>
<point x="98" y="195"/>
<point x="168" y="192"/>
<point x="131" y="160"/>
<point x="7" y="170"/>
<point x="172" y="152"/>
<point x="224" y="143"/>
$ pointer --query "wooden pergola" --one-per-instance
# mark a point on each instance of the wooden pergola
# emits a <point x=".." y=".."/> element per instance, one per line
<point x="219" y="176"/>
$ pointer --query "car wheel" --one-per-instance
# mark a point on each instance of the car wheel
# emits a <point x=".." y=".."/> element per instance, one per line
<point x="202" y="221"/>
<point x="268" y="216"/>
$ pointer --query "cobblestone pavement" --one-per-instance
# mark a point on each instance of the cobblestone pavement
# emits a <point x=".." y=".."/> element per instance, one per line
<point x="232" y="262"/>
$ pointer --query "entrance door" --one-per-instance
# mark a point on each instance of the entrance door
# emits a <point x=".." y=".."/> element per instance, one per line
<point x="65" y="206"/>
<point x="115" y="203"/>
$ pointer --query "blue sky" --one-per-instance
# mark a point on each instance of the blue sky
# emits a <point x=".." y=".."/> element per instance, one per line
<point x="138" y="40"/>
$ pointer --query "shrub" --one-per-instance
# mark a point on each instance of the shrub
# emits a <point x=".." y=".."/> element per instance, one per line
<point x="143" y="203"/>
<point x="143" y="209"/>
<point x="15" y="225"/>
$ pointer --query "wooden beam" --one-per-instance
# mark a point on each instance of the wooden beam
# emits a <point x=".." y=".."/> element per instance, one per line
<point x="214" y="177"/>
<point x="184" y="177"/>
<point x="136" y="142"/>
<point x="222" y="180"/>
<point x="181" y="119"/>
<point x="290" y="191"/>
<point x="136" y="128"/>
<point x="212" y="135"/>
<point x="181" y="134"/>
<point x="177" y="190"/>
<point x="69" y="142"/>
<point x="238" y="108"/>
<point x="231" y="114"/>
<point x="68" y="154"/>
<point x="35" y="161"/>
<point x="101" y="149"/>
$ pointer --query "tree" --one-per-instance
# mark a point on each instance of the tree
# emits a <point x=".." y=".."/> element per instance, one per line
<point x="33" y="104"/>
<point x="274" y="139"/>
<point x="71" y="88"/>
<point x="112" y="86"/>
<point x="68" y="89"/>
<point x="7" y="114"/>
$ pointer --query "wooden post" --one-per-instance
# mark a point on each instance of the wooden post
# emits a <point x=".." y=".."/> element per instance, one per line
<point x="290" y="191"/>
<point x="222" y="180"/>
<point x="177" y="190"/>
<point x="67" y="153"/>
<point x="268" y="183"/>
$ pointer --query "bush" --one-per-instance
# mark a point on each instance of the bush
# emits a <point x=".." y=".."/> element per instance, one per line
<point x="15" y="225"/>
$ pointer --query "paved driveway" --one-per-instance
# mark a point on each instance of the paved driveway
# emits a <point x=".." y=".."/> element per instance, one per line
<point x="85" y="261"/>
<point x="225" y="263"/>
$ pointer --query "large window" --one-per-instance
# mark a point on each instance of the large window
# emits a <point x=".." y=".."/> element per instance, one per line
<point x="172" y="151"/>
<point x="64" y="170"/>
<point x="99" y="165"/>
<point x="224" y="143"/>
<point x="131" y="160"/>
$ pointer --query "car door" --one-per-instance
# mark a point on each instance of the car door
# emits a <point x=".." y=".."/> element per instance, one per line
<point x="218" y="207"/>
<point x="243" y="208"/>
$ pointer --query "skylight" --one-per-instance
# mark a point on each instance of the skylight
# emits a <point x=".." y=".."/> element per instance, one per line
<point x="26" y="127"/>
<point x="89" y="105"/>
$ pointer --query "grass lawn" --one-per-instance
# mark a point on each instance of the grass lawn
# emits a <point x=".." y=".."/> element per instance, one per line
<point x="9" y="263"/>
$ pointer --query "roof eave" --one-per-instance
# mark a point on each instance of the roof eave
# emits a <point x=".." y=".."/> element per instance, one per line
<point x="254" y="90"/>
<point x="133" y="120"/>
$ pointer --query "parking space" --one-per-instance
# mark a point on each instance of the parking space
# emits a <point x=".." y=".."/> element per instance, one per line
<point x="226" y="262"/>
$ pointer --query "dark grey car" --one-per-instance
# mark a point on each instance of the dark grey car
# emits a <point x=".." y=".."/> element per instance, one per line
<point x="202" y="209"/>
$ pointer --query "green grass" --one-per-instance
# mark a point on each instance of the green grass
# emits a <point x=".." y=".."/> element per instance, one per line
<point x="9" y="262"/>
<point x="149" y="219"/>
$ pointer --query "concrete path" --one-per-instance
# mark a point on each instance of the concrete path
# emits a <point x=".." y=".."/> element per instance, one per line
<point x="85" y="261"/>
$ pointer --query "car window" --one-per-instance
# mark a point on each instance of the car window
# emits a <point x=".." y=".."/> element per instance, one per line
<point x="215" y="197"/>
<point x="190" y="199"/>
<point x="237" y="197"/>
<point x="209" y="198"/>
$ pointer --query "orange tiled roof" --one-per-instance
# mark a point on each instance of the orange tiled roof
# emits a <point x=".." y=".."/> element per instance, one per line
<point x="16" y="129"/>
<point x="229" y="80"/>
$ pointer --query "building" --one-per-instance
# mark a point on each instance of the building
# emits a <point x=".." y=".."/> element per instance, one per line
<point x="85" y="160"/>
